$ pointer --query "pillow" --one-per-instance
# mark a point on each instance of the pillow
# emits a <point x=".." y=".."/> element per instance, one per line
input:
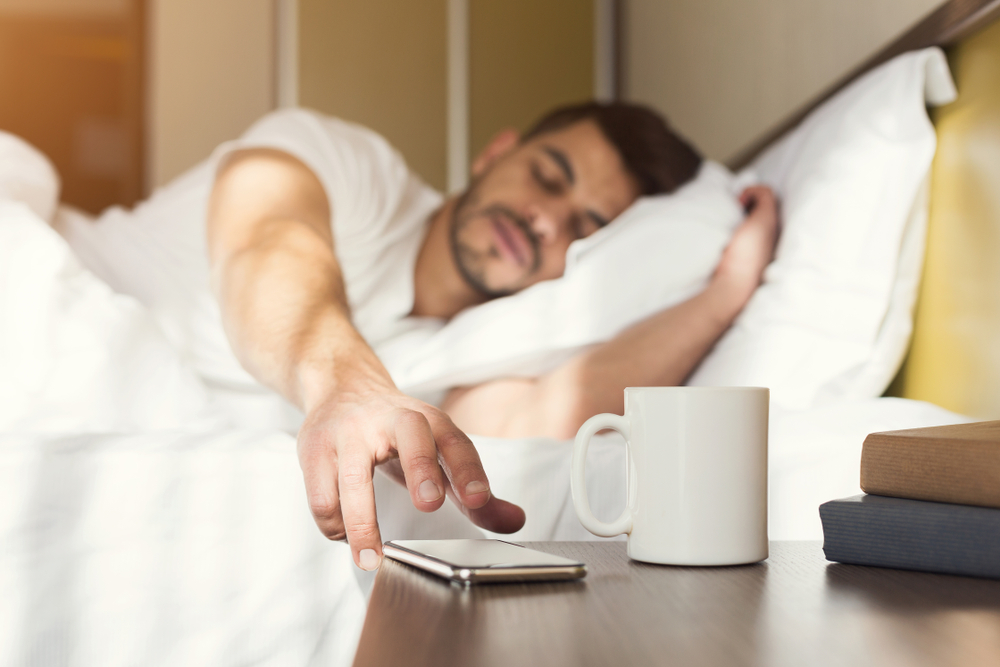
<point x="659" y="252"/>
<point x="833" y="316"/>
<point x="27" y="176"/>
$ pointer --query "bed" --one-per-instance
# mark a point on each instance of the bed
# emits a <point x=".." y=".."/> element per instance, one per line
<point x="190" y="543"/>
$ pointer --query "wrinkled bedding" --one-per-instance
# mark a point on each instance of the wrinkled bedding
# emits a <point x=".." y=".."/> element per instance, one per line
<point x="142" y="522"/>
<point x="167" y="548"/>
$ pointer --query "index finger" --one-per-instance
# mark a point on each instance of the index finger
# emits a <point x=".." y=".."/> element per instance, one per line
<point x="357" y="502"/>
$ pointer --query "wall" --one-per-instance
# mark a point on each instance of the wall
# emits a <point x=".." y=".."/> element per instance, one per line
<point x="725" y="72"/>
<point x="526" y="57"/>
<point x="211" y="74"/>
<point x="382" y="63"/>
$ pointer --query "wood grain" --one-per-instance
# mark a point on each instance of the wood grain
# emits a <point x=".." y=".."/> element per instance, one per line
<point x="945" y="26"/>
<point x="73" y="85"/>
<point x="794" y="609"/>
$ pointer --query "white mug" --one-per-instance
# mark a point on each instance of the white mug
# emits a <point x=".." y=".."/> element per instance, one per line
<point x="697" y="474"/>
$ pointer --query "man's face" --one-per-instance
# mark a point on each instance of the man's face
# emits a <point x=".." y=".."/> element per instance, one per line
<point x="512" y="226"/>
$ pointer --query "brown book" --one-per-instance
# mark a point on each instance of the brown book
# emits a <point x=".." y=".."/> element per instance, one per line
<point x="948" y="464"/>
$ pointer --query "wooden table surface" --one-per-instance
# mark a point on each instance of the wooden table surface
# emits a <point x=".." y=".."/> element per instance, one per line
<point x="794" y="609"/>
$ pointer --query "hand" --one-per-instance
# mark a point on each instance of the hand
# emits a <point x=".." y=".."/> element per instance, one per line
<point x="750" y="250"/>
<point x="345" y="437"/>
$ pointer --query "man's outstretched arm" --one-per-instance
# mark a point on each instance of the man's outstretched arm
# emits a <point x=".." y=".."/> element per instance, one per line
<point x="285" y="311"/>
<point x="659" y="351"/>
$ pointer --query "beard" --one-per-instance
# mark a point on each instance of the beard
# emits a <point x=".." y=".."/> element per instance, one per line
<point x="471" y="263"/>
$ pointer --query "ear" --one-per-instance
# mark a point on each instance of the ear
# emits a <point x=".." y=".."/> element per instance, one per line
<point x="499" y="145"/>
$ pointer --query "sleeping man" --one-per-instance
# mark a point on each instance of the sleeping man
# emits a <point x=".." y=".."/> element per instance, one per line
<point x="321" y="245"/>
<point x="310" y="248"/>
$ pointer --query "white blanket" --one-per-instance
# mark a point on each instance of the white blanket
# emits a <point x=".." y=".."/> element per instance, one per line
<point x="138" y="527"/>
<point x="167" y="549"/>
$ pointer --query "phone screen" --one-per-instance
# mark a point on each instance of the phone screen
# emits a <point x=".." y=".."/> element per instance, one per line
<point x="476" y="554"/>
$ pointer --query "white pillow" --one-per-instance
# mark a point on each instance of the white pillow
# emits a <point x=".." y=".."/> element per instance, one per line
<point x="27" y="176"/>
<point x="833" y="317"/>
<point x="659" y="252"/>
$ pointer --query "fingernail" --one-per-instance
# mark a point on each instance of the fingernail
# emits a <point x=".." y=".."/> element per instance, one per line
<point x="368" y="559"/>
<point x="428" y="491"/>
<point x="475" y="487"/>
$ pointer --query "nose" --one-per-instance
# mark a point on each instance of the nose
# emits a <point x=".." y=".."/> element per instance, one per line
<point x="550" y="220"/>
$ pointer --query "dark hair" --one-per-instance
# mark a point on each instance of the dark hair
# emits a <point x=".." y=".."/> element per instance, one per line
<point x="660" y="160"/>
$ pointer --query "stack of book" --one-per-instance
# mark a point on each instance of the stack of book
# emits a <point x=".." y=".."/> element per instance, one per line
<point x="932" y="503"/>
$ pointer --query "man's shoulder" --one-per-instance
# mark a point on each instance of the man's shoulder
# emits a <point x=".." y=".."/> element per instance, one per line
<point x="321" y="129"/>
<point x="368" y="184"/>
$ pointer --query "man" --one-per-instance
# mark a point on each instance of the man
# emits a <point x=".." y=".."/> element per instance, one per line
<point x="298" y="250"/>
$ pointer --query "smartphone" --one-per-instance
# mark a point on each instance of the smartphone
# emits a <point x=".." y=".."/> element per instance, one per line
<point x="483" y="561"/>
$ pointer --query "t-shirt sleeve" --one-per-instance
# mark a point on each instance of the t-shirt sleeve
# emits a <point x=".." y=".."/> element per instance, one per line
<point x="363" y="176"/>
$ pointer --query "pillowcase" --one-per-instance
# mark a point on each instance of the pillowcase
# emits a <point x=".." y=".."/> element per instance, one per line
<point x="833" y="316"/>
<point x="27" y="176"/>
<point x="659" y="252"/>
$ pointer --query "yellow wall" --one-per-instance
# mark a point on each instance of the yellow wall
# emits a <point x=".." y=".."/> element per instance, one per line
<point x="382" y="63"/>
<point x="725" y="72"/>
<point x="526" y="56"/>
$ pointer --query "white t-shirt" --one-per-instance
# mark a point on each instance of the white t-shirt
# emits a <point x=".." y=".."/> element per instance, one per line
<point x="157" y="252"/>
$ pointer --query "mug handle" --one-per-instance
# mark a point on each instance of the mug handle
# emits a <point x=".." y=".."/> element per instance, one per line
<point x="578" y="477"/>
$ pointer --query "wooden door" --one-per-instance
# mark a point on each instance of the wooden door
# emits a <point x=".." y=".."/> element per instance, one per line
<point x="71" y="83"/>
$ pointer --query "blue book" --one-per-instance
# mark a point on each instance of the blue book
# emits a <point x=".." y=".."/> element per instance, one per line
<point x="912" y="535"/>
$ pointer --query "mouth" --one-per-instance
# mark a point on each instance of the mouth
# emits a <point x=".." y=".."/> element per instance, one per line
<point x="511" y="241"/>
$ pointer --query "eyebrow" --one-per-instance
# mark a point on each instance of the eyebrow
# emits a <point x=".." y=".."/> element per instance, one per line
<point x="560" y="159"/>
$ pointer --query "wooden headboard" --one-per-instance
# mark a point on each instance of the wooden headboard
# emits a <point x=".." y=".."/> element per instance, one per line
<point x="954" y="357"/>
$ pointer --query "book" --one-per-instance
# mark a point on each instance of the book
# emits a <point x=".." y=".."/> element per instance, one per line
<point x="949" y="464"/>
<point x="912" y="535"/>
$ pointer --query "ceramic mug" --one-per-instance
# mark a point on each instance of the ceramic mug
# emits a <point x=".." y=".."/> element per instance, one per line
<point x="697" y="474"/>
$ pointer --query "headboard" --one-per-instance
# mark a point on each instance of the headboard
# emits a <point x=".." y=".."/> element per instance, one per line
<point x="954" y="357"/>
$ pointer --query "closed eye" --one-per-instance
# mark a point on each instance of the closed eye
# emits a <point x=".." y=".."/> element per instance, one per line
<point x="550" y="185"/>
<point x="585" y="225"/>
<point x="598" y="219"/>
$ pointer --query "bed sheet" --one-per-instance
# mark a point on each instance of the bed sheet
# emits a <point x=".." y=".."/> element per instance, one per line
<point x="167" y="549"/>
